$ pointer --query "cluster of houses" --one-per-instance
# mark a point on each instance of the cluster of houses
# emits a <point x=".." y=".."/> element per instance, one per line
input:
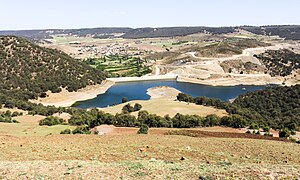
<point x="110" y="49"/>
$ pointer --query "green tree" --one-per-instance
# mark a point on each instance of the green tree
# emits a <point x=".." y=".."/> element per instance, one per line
<point x="143" y="129"/>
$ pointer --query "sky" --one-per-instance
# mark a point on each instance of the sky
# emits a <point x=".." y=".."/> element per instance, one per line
<point x="52" y="14"/>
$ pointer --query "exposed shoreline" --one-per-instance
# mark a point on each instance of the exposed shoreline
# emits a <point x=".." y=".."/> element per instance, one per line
<point x="66" y="99"/>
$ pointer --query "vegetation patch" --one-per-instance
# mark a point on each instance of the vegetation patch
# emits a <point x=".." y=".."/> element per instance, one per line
<point x="51" y="121"/>
<point x="280" y="62"/>
<point x="276" y="107"/>
<point x="120" y="65"/>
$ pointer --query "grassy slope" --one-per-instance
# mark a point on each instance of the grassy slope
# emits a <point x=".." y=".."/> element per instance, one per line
<point x="29" y="126"/>
<point x="163" y="107"/>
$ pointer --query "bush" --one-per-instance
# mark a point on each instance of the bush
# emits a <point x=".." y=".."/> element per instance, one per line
<point x="15" y="114"/>
<point x="81" y="130"/>
<point x="66" y="131"/>
<point x="143" y="129"/>
<point x="185" y="97"/>
<point x="253" y="126"/>
<point x="284" y="133"/>
<point x="127" y="108"/>
<point x="211" y="120"/>
<point x="266" y="129"/>
<point x="137" y="107"/>
<point x="293" y="140"/>
<point x="235" y="121"/>
<point x="124" y="100"/>
<point x="248" y="132"/>
<point x="51" y="121"/>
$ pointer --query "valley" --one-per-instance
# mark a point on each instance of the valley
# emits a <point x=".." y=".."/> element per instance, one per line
<point x="150" y="103"/>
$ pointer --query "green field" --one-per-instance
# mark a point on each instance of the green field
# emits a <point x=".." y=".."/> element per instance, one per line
<point x="120" y="65"/>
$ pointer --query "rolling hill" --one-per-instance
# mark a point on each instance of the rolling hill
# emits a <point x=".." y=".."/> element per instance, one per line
<point x="28" y="71"/>
<point x="289" y="32"/>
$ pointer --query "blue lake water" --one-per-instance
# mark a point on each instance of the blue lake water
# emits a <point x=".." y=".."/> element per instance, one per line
<point x="138" y="91"/>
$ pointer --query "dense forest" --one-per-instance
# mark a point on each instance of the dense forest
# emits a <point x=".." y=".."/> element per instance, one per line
<point x="280" y="62"/>
<point x="289" y="32"/>
<point x="277" y="107"/>
<point x="28" y="71"/>
<point x="174" y="31"/>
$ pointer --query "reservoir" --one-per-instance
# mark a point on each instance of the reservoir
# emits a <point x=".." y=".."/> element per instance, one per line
<point x="138" y="91"/>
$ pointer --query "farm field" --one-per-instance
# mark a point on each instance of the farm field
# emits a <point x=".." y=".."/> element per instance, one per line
<point x="120" y="66"/>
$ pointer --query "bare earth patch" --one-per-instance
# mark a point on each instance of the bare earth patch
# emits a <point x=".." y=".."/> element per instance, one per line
<point x="146" y="157"/>
<point x="66" y="98"/>
<point x="164" y="92"/>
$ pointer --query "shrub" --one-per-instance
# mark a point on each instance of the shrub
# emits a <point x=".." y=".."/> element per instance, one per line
<point x="293" y="140"/>
<point x="284" y="133"/>
<point x="266" y="129"/>
<point x="137" y="107"/>
<point x="143" y="129"/>
<point x="124" y="100"/>
<point x="211" y="120"/>
<point x="66" y="131"/>
<point x="248" y="132"/>
<point x="51" y="121"/>
<point x="253" y="126"/>
<point x="14" y="114"/>
<point x="81" y="130"/>
<point x="127" y="108"/>
<point x="185" y="97"/>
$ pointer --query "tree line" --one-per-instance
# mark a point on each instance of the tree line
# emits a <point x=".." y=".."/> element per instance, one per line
<point x="277" y="107"/>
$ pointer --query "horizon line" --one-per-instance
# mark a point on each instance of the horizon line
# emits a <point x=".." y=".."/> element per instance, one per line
<point x="141" y="27"/>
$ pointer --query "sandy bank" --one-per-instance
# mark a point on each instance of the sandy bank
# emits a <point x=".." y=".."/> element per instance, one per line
<point x="163" y="92"/>
<point x="143" y="78"/>
<point x="66" y="98"/>
<point x="235" y="80"/>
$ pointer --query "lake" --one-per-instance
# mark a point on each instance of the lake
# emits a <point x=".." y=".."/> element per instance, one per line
<point x="138" y="91"/>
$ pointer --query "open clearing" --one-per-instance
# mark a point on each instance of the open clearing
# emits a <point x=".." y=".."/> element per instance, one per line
<point x="29" y="126"/>
<point x="145" y="156"/>
<point x="163" y="107"/>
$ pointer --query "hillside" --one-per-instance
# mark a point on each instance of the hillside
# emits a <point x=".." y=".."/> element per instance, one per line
<point x="278" y="106"/>
<point x="36" y="35"/>
<point x="174" y="31"/>
<point x="280" y="62"/>
<point x="289" y="32"/>
<point x="226" y="48"/>
<point x="28" y="71"/>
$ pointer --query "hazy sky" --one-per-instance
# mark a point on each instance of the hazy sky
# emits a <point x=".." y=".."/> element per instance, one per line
<point x="40" y="14"/>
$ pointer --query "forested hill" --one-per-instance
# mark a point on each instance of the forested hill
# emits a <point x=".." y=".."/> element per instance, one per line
<point x="279" y="106"/>
<point x="175" y="31"/>
<point x="36" y="35"/>
<point x="34" y="69"/>
<point x="290" y="32"/>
